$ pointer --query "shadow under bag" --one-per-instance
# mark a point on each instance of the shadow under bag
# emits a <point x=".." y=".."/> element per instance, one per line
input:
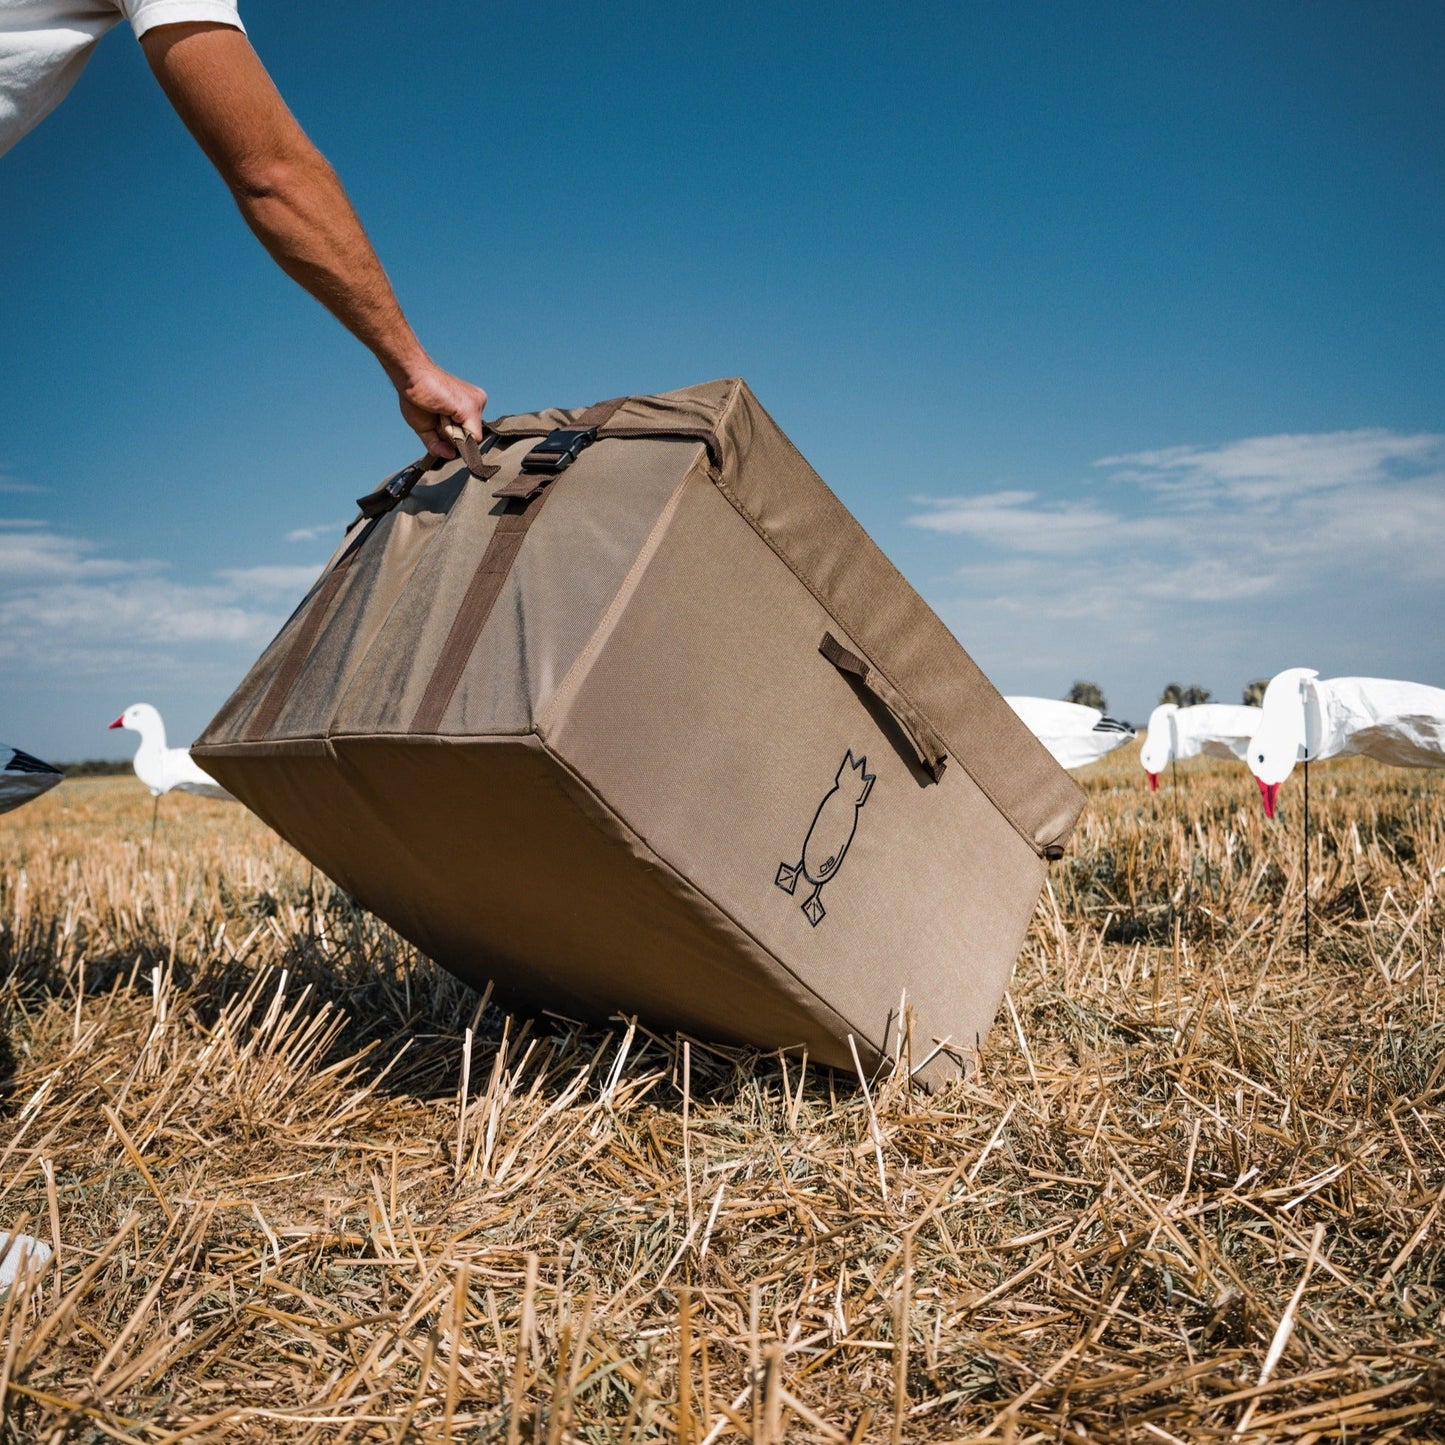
<point x="626" y="712"/>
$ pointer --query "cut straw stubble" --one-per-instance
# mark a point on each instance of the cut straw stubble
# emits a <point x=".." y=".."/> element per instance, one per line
<point x="1108" y="1223"/>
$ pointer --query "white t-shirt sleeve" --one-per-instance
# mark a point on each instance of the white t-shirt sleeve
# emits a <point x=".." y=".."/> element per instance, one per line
<point x="44" y="45"/>
<point x="147" y="14"/>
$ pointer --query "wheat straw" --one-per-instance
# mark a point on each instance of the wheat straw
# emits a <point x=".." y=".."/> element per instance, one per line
<point x="304" y="1186"/>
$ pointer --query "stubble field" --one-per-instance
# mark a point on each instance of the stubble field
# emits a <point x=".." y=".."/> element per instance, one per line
<point x="1194" y="1192"/>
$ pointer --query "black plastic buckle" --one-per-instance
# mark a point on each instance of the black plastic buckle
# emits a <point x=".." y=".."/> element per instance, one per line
<point x="390" y="492"/>
<point x="559" y="449"/>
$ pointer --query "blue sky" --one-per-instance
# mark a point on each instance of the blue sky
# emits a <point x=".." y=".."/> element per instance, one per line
<point x="1122" y="328"/>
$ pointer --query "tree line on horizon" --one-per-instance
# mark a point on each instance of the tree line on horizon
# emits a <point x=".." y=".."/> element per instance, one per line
<point x="1090" y="694"/>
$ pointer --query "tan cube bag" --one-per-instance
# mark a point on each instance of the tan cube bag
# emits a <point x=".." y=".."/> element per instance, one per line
<point x="626" y="712"/>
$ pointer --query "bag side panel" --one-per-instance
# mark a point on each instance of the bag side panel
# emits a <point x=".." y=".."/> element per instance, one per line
<point x="575" y="558"/>
<point x="713" y="726"/>
<point x="597" y="514"/>
<point x="790" y="506"/>
<point x="376" y="576"/>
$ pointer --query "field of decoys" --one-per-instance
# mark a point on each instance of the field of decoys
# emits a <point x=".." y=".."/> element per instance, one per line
<point x="267" y="1172"/>
<point x="1299" y="718"/>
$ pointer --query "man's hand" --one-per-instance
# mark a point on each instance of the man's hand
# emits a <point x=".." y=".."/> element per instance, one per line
<point x="293" y="201"/>
<point x="435" y="396"/>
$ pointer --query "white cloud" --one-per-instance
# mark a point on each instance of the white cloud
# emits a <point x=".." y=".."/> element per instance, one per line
<point x="270" y="581"/>
<point x="1253" y="554"/>
<point x="65" y="605"/>
<point x="1260" y="469"/>
<point x="35" y="554"/>
<point x="1019" y="521"/>
<point x="14" y="485"/>
<point x="326" y="531"/>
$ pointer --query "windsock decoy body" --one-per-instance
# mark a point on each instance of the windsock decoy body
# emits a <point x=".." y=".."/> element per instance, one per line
<point x="1214" y="729"/>
<point x="1307" y="718"/>
<point x="24" y="777"/>
<point x="1075" y="735"/>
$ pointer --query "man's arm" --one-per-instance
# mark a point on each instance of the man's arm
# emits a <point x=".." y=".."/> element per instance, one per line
<point x="293" y="201"/>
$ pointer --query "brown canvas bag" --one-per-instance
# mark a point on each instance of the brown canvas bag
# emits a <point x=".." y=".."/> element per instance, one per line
<point x="624" y="711"/>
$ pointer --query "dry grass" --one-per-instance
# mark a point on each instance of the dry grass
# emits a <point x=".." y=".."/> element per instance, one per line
<point x="1195" y="1192"/>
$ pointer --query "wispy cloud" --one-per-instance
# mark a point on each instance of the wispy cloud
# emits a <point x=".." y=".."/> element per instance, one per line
<point x="1230" y="554"/>
<point x="32" y="554"/>
<point x="269" y="581"/>
<point x="1023" y="522"/>
<point x="65" y="604"/>
<point x="325" y="532"/>
<point x="1276" y="468"/>
<point x="12" y="484"/>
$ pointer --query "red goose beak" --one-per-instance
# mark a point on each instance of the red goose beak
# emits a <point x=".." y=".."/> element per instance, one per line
<point x="1269" y="792"/>
<point x="118" y="723"/>
<point x="1153" y="782"/>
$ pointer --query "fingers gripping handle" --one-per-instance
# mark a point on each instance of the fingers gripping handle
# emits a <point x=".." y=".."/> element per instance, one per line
<point x="469" y="449"/>
<point x="926" y="743"/>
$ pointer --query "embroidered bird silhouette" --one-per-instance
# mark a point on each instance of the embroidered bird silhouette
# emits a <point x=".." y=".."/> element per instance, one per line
<point x="828" y="839"/>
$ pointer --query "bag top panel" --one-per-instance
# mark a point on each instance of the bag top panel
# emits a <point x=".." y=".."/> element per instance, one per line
<point x="702" y="413"/>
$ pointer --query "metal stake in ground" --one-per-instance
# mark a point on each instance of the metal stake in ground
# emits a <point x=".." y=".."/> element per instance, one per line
<point x="1184" y="838"/>
<point x="1307" y="862"/>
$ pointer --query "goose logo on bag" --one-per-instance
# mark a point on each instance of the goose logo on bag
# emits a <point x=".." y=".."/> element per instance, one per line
<point x="827" y="842"/>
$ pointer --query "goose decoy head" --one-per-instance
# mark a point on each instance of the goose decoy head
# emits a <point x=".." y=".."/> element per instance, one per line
<point x="1279" y="740"/>
<point x="142" y="718"/>
<point x="1158" y="743"/>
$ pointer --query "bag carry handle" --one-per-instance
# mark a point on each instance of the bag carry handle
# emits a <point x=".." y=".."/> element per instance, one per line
<point x="927" y="745"/>
<point x="469" y="449"/>
<point x="397" y="488"/>
<point x="472" y="450"/>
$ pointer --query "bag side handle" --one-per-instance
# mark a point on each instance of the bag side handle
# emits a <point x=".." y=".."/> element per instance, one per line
<point x="926" y="743"/>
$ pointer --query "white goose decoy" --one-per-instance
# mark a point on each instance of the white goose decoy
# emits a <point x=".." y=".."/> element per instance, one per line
<point x="23" y="778"/>
<point x="163" y="769"/>
<point x="1074" y="734"/>
<point x="1216" y="729"/>
<point x="1307" y="718"/>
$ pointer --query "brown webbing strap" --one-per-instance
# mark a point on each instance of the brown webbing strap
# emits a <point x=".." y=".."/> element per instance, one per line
<point x="486" y="585"/>
<point x="476" y="606"/>
<point x="307" y="632"/>
<point x="599" y="413"/>
<point x="926" y="744"/>
<point x="470" y="451"/>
